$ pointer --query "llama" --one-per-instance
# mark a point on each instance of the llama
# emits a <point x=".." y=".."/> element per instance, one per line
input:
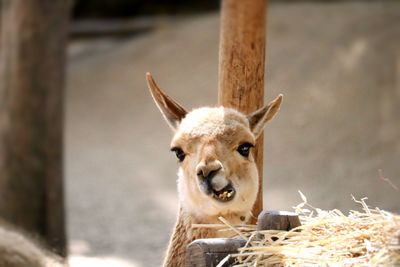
<point x="217" y="174"/>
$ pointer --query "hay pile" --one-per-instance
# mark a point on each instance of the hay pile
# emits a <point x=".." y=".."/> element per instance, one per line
<point x="326" y="238"/>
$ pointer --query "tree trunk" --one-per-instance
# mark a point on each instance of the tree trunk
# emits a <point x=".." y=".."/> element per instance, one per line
<point x="32" y="73"/>
<point x="241" y="65"/>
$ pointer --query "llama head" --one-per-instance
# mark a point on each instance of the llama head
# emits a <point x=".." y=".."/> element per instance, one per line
<point x="217" y="173"/>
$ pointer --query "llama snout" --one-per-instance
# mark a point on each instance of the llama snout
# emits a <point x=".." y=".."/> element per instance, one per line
<point x="209" y="175"/>
<point x="213" y="182"/>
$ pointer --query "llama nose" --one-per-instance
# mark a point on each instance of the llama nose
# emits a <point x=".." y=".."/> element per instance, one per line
<point x="208" y="171"/>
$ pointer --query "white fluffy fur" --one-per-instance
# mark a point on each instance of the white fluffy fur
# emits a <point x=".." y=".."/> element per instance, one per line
<point x="16" y="250"/>
<point x="211" y="121"/>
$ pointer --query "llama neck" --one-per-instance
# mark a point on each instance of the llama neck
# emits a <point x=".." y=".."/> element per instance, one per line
<point x="183" y="234"/>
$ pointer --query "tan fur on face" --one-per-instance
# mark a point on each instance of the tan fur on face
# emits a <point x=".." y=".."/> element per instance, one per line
<point x="214" y="134"/>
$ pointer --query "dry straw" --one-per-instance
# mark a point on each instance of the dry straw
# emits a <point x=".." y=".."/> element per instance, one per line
<point x="370" y="237"/>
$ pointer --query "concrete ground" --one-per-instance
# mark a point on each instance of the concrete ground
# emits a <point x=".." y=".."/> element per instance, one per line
<point x="338" y="66"/>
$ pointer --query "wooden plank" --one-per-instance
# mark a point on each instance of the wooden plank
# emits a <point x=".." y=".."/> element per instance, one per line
<point x="32" y="72"/>
<point x="277" y="220"/>
<point x="241" y="65"/>
<point x="209" y="252"/>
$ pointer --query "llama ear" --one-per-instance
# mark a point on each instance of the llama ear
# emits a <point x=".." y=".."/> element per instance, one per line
<point x="170" y="109"/>
<point x="260" y="117"/>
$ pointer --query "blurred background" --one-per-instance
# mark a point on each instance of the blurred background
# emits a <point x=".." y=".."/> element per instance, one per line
<point x="337" y="134"/>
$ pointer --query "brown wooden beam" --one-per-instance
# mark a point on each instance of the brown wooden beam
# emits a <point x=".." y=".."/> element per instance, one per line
<point x="241" y="65"/>
<point x="209" y="252"/>
<point x="32" y="73"/>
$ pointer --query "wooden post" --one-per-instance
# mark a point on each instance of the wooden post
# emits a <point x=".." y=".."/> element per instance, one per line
<point x="277" y="220"/>
<point x="241" y="65"/>
<point x="32" y="71"/>
<point x="209" y="252"/>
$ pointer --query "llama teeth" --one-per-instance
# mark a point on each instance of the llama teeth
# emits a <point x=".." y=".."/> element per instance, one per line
<point x="224" y="195"/>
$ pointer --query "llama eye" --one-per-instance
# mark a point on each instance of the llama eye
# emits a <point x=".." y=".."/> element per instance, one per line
<point x="179" y="153"/>
<point x="244" y="149"/>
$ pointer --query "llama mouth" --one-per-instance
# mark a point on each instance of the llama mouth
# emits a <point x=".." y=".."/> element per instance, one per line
<point x="225" y="194"/>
